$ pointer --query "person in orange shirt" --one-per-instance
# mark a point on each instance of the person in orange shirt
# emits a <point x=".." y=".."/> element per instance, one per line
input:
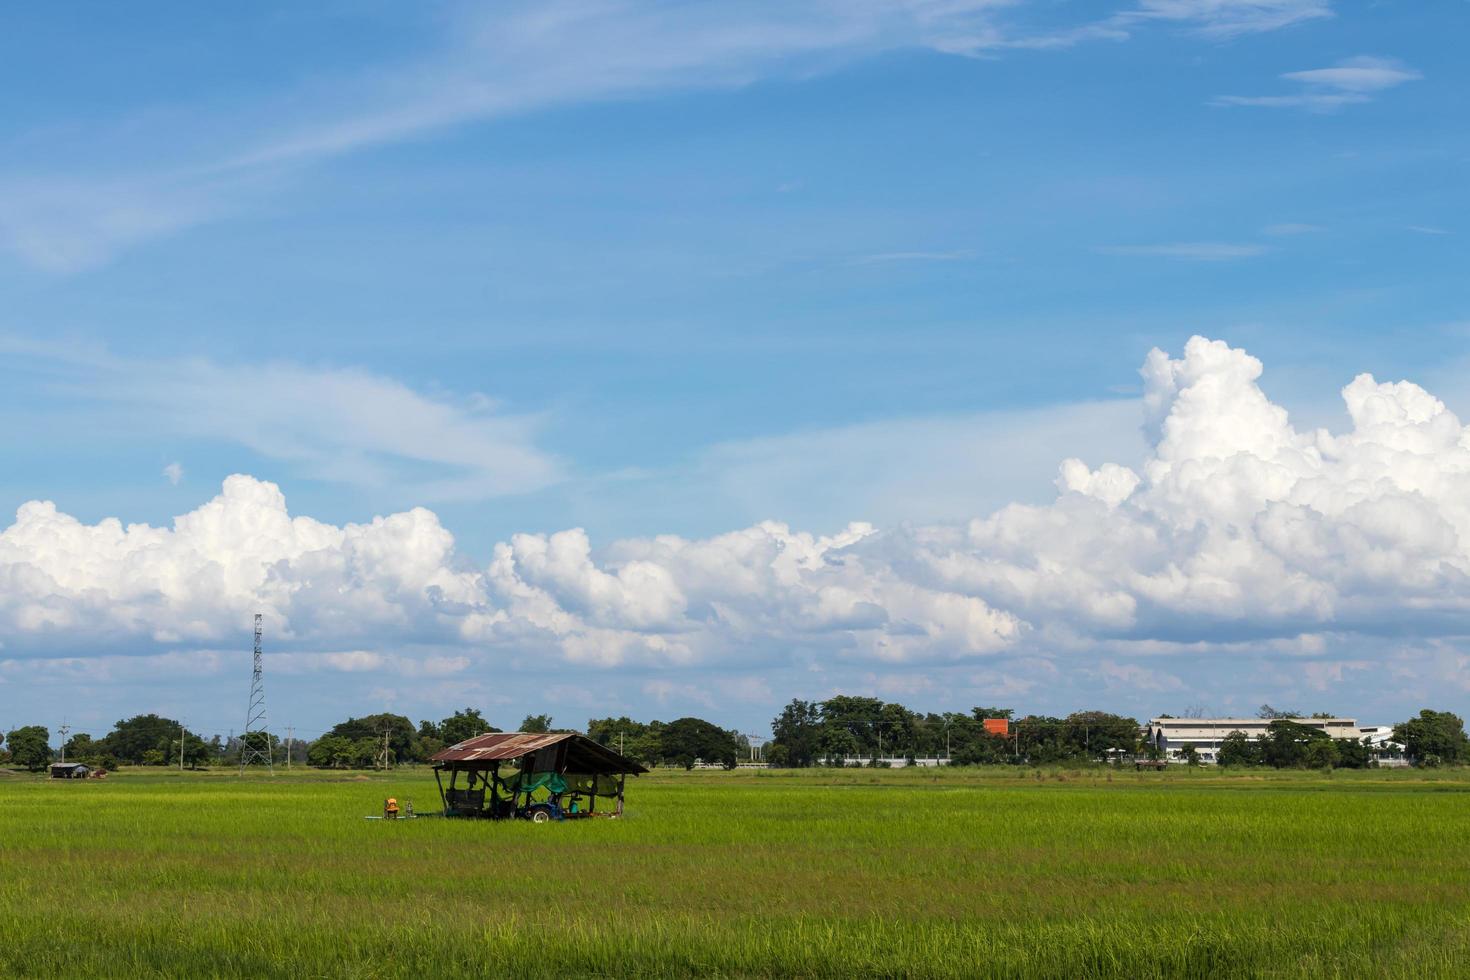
<point x="390" y="809"/>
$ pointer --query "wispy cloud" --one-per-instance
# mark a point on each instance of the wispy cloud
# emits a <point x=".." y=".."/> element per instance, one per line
<point x="1223" y="19"/>
<point x="1427" y="229"/>
<point x="1189" y="251"/>
<point x="517" y="58"/>
<point x="1349" y="82"/>
<point x="341" y="425"/>
<point x="1217" y="20"/>
<point x="173" y="473"/>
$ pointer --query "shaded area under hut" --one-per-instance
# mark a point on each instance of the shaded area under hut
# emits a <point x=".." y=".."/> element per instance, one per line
<point x="539" y="777"/>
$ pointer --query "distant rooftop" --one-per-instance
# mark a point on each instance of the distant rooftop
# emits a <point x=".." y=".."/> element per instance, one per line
<point x="1207" y="722"/>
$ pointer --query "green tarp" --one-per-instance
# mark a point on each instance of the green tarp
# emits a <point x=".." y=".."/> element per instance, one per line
<point x="555" y="783"/>
<point x="525" y="782"/>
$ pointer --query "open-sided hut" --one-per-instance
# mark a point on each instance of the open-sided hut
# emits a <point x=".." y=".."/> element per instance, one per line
<point x="539" y="777"/>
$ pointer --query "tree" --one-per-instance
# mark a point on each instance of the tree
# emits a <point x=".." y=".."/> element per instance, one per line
<point x="1237" y="749"/>
<point x="80" y="747"/>
<point x="1353" y="753"/>
<point x="402" y="737"/>
<point x="1191" y="754"/>
<point x="1285" y="743"/>
<point x="462" y="725"/>
<point x="536" y="724"/>
<point x="795" y="731"/>
<point x="688" y="739"/>
<point x="860" y="717"/>
<point x="366" y="753"/>
<point x="895" y="727"/>
<point x="1043" y="739"/>
<point x="132" y="739"/>
<point x="1096" y="733"/>
<point x="1434" y="733"/>
<point x="633" y="739"/>
<point x="1320" y="753"/>
<point x="330" y="752"/>
<point x="1268" y="713"/>
<point x="30" y="747"/>
<point x="836" y="744"/>
<point x="197" y="752"/>
<point x="251" y="743"/>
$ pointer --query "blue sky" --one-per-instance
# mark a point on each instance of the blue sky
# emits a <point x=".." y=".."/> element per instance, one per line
<point x="675" y="269"/>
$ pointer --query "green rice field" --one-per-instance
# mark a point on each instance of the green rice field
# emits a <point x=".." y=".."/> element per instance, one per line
<point x="824" y="873"/>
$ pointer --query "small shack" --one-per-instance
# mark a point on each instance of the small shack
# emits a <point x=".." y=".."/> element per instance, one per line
<point x="70" y="770"/>
<point x="533" y="776"/>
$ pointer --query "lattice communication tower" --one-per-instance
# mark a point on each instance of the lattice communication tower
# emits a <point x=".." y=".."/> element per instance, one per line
<point x="256" y="741"/>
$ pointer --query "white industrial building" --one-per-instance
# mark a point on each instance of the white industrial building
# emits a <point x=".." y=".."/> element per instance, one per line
<point x="1171" y="735"/>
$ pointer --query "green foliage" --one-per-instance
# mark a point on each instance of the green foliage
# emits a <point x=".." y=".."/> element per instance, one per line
<point x="1434" y="733"/>
<point x="1285" y="745"/>
<point x="80" y="747"/>
<point x="1044" y="740"/>
<point x="637" y="741"/>
<point x="29" y="747"/>
<point x="1353" y="753"/>
<point x="536" y="724"/>
<point x="1238" y="749"/>
<point x="330" y="752"/>
<point x="677" y="743"/>
<point x="132" y="740"/>
<point x="1097" y="734"/>
<point x="1320" y="753"/>
<point x="796" y="732"/>
<point x="860" y="728"/>
<point x="402" y="736"/>
<point x="462" y="725"/>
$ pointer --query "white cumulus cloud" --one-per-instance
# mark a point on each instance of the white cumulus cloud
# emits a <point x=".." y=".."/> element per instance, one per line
<point x="1238" y="531"/>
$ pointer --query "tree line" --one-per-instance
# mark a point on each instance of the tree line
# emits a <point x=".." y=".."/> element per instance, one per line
<point x="383" y="739"/>
<point x="838" y="731"/>
<point x="845" y="729"/>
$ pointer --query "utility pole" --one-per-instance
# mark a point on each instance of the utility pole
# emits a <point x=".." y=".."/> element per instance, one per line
<point x="289" y="731"/>
<point x="64" y="729"/>
<point x="385" y="755"/>
<point x="181" y="745"/>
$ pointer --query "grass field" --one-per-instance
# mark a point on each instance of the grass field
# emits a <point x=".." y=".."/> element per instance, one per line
<point x="845" y="873"/>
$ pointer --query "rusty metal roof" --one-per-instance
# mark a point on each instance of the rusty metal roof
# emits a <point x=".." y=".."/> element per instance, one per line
<point x="581" y="754"/>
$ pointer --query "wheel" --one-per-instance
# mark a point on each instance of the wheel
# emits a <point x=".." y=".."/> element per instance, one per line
<point x="540" y="816"/>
